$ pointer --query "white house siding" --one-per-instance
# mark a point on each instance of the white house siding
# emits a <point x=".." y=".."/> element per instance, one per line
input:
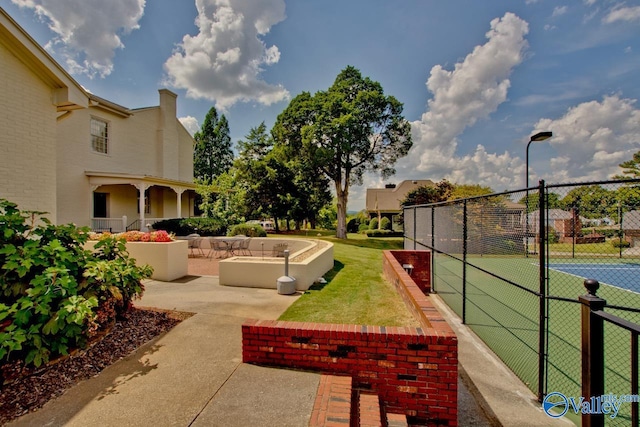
<point x="27" y="137"/>
<point x="46" y="159"/>
<point x="137" y="145"/>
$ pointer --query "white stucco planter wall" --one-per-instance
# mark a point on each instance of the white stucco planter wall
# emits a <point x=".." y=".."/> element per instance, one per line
<point x="263" y="272"/>
<point x="168" y="259"/>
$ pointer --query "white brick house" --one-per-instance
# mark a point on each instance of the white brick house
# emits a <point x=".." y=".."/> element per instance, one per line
<point x="81" y="158"/>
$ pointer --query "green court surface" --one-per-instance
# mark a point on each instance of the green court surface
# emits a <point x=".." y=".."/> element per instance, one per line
<point x="507" y="319"/>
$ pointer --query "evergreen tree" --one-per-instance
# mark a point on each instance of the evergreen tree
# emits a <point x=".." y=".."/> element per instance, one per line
<point x="213" y="155"/>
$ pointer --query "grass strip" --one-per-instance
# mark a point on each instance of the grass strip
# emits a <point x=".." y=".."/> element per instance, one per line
<point x="355" y="292"/>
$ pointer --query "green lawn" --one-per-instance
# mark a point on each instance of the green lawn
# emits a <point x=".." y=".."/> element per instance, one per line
<point x="355" y="292"/>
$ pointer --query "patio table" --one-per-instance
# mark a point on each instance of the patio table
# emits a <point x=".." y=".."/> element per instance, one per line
<point x="232" y="244"/>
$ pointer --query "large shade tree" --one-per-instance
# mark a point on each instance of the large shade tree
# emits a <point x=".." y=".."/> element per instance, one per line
<point x="350" y="129"/>
<point x="312" y="188"/>
<point x="631" y="168"/>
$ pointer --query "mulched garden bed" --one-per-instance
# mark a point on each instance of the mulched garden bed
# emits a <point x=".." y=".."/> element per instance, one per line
<point x="25" y="390"/>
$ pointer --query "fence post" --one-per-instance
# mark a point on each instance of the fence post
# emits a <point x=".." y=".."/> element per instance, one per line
<point x="464" y="262"/>
<point x="542" y="289"/>
<point x="433" y="250"/>
<point x="592" y="350"/>
<point x="415" y="228"/>
<point x="620" y="231"/>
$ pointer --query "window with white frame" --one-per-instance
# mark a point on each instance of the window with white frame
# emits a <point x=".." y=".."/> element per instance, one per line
<point x="99" y="136"/>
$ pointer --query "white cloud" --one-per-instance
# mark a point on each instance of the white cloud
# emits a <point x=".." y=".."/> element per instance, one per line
<point x="472" y="91"/>
<point x="623" y="14"/>
<point x="87" y="31"/>
<point x="224" y="61"/>
<point x="593" y="138"/>
<point x="559" y="10"/>
<point x="190" y="123"/>
<point x="589" y="140"/>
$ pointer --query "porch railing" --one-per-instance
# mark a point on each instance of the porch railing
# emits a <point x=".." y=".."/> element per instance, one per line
<point x="118" y="225"/>
<point x="113" y="225"/>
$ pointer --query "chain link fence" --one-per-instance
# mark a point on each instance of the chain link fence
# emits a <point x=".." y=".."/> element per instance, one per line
<point x="512" y="265"/>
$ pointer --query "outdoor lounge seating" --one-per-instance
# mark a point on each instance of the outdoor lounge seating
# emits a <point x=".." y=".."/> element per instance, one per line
<point x="278" y="249"/>
<point x="219" y="248"/>
<point x="243" y="247"/>
<point x="195" y="245"/>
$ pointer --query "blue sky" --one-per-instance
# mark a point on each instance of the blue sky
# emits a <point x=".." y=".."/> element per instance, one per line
<point x="477" y="78"/>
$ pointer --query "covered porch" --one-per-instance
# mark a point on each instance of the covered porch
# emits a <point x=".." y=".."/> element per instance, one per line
<point x="122" y="202"/>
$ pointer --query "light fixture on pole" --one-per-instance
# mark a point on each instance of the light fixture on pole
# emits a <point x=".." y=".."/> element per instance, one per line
<point x="540" y="136"/>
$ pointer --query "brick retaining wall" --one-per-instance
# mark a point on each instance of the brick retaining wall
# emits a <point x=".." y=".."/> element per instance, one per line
<point x="414" y="370"/>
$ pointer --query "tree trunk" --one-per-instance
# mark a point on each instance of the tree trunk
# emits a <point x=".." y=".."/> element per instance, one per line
<point x="342" y="196"/>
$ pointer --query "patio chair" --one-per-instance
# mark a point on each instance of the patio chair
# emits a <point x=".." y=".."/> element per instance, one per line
<point x="195" y="246"/>
<point x="218" y="248"/>
<point x="244" y="246"/>
<point x="278" y="249"/>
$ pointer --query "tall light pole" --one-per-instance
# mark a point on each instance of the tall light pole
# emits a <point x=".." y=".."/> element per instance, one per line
<point x="540" y="136"/>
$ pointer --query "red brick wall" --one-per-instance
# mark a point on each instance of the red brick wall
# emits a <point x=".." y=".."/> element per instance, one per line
<point x="421" y="261"/>
<point x="413" y="370"/>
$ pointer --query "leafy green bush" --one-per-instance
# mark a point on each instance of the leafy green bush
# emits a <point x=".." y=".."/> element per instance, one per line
<point x="607" y="232"/>
<point x="383" y="233"/>
<point x="617" y="243"/>
<point x="186" y="226"/>
<point x="363" y="227"/>
<point x="353" y="225"/>
<point x="251" y="230"/>
<point x="385" y="223"/>
<point x="54" y="294"/>
<point x="373" y="224"/>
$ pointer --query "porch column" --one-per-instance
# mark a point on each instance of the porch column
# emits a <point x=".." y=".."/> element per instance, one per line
<point x="91" y="207"/>
<point x="142" y="187"/>
<point x="179" y="191"/>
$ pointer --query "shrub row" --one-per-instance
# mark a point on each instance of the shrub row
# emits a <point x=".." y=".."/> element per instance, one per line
<point x="54" y="294"/>
<point x="607" y="232"/>
<point x="186" y="226"/>
<point x="251" y="230"/>
<point x="383" y="233"/>
<point x="617" y="243"/>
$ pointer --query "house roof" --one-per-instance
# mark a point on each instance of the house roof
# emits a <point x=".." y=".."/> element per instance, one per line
<point x="107" y="105"/>
<point x="111" y="178"/>
<point x="388" y="199"/>
<point x="514" y="206"/>
<point x="68" y="93"/>
<point x="552" y="214"/>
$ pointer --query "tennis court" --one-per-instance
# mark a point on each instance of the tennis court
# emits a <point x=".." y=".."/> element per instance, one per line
<point x="622" y="275"/>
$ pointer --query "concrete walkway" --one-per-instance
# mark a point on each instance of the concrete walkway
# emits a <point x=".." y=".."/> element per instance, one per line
<point x="194" y="374"/>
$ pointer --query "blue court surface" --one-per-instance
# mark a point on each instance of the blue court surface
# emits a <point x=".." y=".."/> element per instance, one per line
<point x="624" y="276"/>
